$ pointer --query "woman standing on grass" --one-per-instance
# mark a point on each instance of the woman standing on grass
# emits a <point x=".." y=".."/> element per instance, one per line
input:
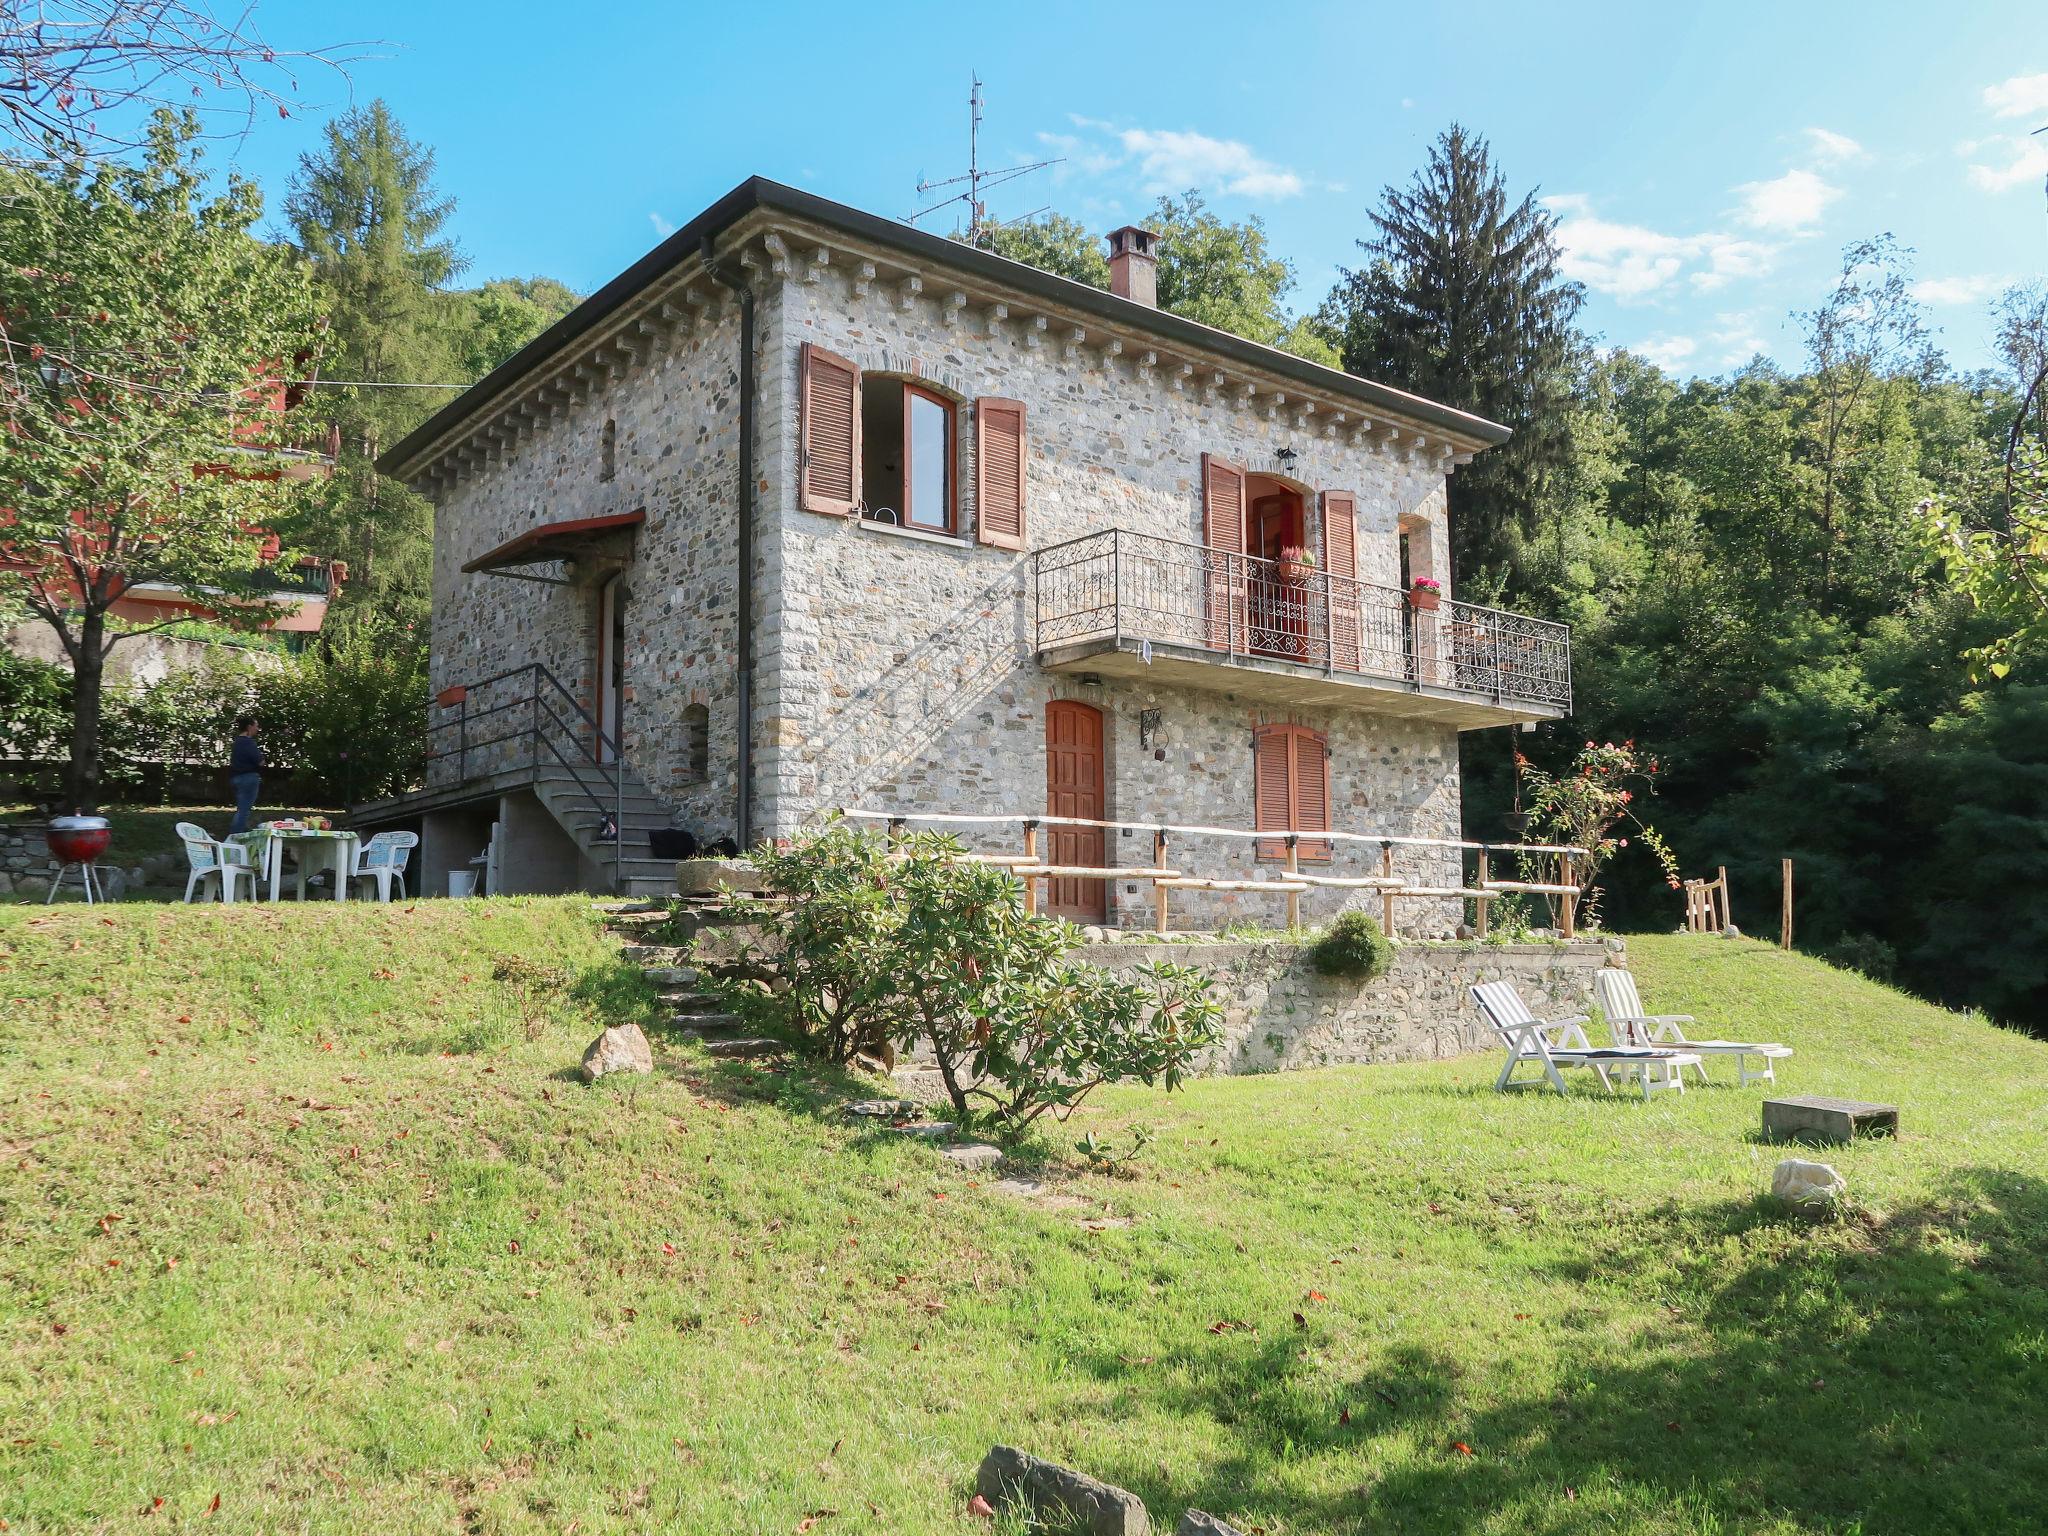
<point x="245" y="772"/>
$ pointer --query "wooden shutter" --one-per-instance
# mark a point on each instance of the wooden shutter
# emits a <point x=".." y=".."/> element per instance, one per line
<point x="1311" y="793"/>
<point x="1272" y="787"/>
<point x="1340" y="559"/>
<point x="1290" y="789"/>
<point x="829" y="429"/>
<point x="1000" y="450"/>
<point x="1223" y="533"/>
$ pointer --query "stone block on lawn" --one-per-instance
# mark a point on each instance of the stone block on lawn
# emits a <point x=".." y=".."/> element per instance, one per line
<point x="705" y="877"/>
<point x="886" y="1109"/>
<point x="621" y="1048"/>
<point x="1058" y="1495"/>
<point x="1195" y="1522"/>
<point x="1810" y="1186"/>
<point x="1812" y="1117"/>
<point x="973" y="1154"/>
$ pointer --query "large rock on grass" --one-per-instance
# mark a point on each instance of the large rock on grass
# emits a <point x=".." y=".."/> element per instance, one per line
<point x="1808" y="1186"/>
<point x="621" y="1048"/>
<point x="1195" y="1522"/>
<point x="1059" y="1497"/>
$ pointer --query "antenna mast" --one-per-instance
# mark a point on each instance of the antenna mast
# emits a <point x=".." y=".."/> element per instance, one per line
<point x="975" y="179"/>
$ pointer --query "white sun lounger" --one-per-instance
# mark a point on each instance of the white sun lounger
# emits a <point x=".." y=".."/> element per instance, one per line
<point x="1529" y="1038"/>
<point x="1616" y="993"/>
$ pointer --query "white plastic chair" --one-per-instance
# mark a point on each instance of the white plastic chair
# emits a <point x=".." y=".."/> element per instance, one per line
<point x="1528" y="1038"/>
<point x="222" y="863"/>
<point x="382" y="860"/>
<point x="1615" y="991"/>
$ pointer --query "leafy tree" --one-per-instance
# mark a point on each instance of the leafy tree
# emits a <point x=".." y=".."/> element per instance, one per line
<point x="496" y="320"/>
<point x="146" y="337"/>
<point x="1460" y="300"/>
<point x="1210" y="270"/>
<point x="1053" y="243"/>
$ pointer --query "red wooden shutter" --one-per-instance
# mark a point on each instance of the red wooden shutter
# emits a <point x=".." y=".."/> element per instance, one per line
<point x="1311" y="793"/>
<point x="1340" y="559"/>
<point x="829" y="428"/>
<point x="1000" y="448"/>
<point x="1223" y="532"/>
<point x="1272" y="787"/>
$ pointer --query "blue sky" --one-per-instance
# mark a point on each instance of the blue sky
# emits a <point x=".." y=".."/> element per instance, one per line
<point x="1707" y="163"/>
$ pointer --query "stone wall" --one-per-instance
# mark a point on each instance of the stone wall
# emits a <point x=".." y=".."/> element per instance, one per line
<point x="900" y="669"/>
<point x="1281" y="1014"/>
<point x="675" y="455"/>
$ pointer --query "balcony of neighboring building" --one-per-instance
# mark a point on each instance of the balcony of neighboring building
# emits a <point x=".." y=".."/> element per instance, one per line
<point x="1284" y="632"/>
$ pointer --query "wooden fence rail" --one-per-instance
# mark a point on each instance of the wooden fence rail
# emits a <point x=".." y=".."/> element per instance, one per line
<point x="1031" y="867"/>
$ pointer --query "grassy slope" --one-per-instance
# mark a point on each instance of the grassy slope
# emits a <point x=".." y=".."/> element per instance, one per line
<point x="377" y="1263"/>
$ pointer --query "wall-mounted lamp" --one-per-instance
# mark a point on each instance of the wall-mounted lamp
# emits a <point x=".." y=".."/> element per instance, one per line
<point x="1148" y="726"/>
<point x="1286" y="456"/>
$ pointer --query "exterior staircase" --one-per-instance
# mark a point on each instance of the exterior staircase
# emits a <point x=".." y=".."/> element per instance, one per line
<point x="579" y="800"/>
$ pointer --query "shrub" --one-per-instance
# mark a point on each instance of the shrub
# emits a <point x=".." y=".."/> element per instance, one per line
<point x="1352" y="946"/>
<point x="879" y="946"/>
<point x="828" y="939"/>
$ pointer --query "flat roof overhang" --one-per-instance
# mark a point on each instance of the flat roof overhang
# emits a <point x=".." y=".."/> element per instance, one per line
<point x="1272" y="681"/>
<point x="567" y="539"/>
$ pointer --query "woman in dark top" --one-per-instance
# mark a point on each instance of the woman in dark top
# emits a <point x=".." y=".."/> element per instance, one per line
<point x="245" y="772"/>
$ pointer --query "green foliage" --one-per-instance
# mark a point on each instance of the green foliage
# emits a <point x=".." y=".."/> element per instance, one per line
<point x="35" y="708"/>
<point x="1460" y="300"/>
<point x="875" y="945"/>
<point x="1104" y="1156"/>
<point x="829" y="938"/>
<point x="1353" y="945"/>
<point x="144" y="326"/>
<point x="1592" y="806"/>
<point x="1210" y="270"/>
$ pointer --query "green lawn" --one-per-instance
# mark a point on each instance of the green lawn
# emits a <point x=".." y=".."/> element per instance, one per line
<point x="306" y="1213"/>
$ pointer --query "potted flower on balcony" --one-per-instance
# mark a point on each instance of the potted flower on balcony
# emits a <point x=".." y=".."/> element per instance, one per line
<point x="1296" y="564"/>
<point x="1425" y="594"/>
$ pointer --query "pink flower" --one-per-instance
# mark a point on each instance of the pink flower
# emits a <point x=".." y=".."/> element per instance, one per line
<point x="1624" y="842"/>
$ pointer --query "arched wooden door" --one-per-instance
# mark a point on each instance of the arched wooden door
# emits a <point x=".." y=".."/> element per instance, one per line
<point x="1073" y="787"/>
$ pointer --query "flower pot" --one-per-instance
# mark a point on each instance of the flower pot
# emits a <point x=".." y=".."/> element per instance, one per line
<point x="1296" y="571"/>
<point x="1517" y="822"/>
<point x="1422" y="600"/>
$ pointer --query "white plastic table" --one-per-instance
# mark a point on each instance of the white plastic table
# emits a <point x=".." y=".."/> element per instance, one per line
<point x="331" y="849"/>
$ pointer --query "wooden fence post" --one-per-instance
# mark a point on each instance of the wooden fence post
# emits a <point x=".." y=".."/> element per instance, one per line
<point x="1293" y="897"/>
<point x="1031" y="881"/>
<point x="1722" y="882"/>
<point x="1159" y="890"/>
<point x="1567" y="905"/>
<point x="1481" y="904"/>
<point x="1785" y="914"/>
<point x="1387" y="896"/>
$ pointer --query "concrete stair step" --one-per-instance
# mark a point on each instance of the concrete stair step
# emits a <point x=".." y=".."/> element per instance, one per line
<point x="706" y="1026"/>
<point x="689" y="1004"/>
<point x="668" y="977"/>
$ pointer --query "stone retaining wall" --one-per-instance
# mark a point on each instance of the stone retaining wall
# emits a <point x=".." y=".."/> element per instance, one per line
<point x="1281" y="1014"/>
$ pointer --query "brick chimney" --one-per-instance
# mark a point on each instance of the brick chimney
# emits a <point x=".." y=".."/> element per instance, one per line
<point x="1134" y="265"/>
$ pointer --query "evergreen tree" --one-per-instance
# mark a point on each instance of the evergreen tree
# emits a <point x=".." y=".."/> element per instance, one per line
<point x="1461" y="301"/>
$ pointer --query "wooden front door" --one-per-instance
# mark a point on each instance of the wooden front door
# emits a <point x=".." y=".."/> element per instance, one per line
<point x="1277" y="599"/>
<point x="1073" y="787"/>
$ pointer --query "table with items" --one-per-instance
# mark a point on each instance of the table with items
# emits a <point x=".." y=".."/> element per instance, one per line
<point x="314" y="849"/>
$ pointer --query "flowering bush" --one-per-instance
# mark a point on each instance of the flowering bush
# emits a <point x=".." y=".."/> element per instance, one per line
<point x="1592" y="806"/>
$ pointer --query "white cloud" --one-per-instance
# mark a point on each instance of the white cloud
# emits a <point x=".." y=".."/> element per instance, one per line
<point x="1667" y="351"/>
<point x="1735" y="339"/>
<point x="1958" y="290"/>
<point x="2028" y="162"/>
<point x="2021" y="96"/>
<point x="1830" y="148"/>
<point x="662" y="227"/>
<point x="1631" y="262"/>
<point x="1173" y="160"/>
<point x="1792" y="202"/>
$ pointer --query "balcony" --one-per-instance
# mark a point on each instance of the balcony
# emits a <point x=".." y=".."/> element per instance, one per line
<point x="1125" y="604"/>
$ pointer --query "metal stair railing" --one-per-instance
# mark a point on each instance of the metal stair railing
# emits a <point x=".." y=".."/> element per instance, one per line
<point x="523" y="726"/>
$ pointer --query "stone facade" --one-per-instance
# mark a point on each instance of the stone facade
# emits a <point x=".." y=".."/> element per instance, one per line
<point x="674" y="454"/>
<point x="1281" y="1014"/>
<point x="898" y="670"/>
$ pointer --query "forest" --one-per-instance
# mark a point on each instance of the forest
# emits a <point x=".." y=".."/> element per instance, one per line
<point x="1807" y="592"/>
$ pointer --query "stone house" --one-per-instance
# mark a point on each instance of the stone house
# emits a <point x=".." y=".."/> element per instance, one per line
<point x="810" y="510"/>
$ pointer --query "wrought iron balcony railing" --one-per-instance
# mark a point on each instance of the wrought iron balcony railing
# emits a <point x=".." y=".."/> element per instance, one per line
<point x="1117" y="586"/>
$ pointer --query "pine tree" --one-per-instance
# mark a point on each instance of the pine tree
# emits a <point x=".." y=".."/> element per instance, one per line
<point x="366" y="212"/>
<point x="1461" y="301"/>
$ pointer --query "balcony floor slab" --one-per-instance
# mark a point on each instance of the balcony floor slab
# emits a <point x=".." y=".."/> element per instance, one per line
<point x="1269" y="680"/>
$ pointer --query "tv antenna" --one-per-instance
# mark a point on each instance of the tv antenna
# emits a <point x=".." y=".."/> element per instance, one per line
<point x="976" y="181"/>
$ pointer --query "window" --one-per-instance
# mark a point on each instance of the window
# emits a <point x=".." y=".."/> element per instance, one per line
<point x="906" y="438"/>
<point x="696" y="744"/>
<point x="608" y="450"/>
<point x="1291" y="790"/>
